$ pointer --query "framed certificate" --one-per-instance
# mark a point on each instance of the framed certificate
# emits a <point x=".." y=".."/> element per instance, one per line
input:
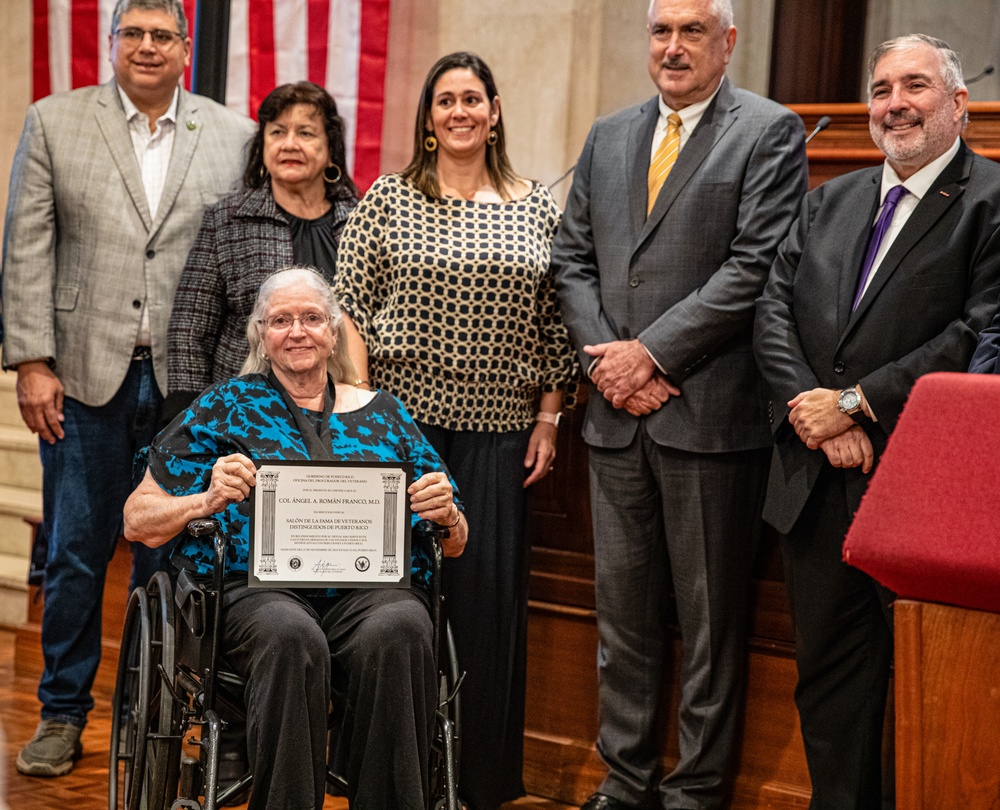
<point x="328" y="524"/>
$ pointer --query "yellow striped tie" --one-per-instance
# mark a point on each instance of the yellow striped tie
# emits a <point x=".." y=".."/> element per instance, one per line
<point x="664" y="159"/>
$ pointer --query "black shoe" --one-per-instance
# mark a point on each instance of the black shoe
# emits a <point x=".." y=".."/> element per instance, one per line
<point x="600" y="801"/>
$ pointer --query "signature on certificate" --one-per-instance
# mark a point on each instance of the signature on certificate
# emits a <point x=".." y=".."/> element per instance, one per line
<point x="324" y="567"/>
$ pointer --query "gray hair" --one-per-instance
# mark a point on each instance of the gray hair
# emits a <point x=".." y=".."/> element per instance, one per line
<point x="339" y="365"/>
<point x="722" y="9"/>
<point x="175" y="8"/>
<point x="951" y="66"/>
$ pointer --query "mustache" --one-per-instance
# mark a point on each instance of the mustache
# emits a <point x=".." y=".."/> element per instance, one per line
<point x="675" y="63"/>
<point x="901" y="118"/>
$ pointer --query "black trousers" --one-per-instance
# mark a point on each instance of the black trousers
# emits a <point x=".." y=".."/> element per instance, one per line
<point x="843" y="648"/>
<point x="376" y="646"/>
<point x="487" y="597"/>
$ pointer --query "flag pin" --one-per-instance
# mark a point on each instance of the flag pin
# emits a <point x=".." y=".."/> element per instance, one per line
<point x="191" y="125"/>
<point x="945" y="194"/>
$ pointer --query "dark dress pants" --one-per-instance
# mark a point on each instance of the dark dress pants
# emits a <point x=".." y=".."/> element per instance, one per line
<point x="664" y="516"/>
<point x="487" y="598"/>
<point x="843" y="648"/>
<point x="376" y="647"/>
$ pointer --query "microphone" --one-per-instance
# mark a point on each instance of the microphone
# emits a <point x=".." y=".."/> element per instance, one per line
<point x="822" y="124"/>
<point x="987" y="71"/>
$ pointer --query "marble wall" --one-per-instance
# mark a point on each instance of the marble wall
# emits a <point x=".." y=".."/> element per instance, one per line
<point x="15" y="91"/>
<point x="558" y="65"/>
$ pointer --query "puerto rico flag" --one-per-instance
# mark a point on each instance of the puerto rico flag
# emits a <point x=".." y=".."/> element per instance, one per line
<point x="339" y="44"/>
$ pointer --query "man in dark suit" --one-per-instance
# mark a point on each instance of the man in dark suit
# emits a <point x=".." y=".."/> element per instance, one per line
<point x="676" y="211"/>
<point x="888" y="274"/>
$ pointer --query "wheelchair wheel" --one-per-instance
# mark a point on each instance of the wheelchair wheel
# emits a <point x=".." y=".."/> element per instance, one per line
<point x="163" y="743"/>
<point x="445" y="744"/>
<point x="130" y="708"/>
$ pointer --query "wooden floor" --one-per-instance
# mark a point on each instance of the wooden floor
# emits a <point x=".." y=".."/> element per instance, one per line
<point x="86" y="788"/>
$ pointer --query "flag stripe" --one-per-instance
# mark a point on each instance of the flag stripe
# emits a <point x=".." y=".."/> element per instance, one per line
<point x="260" y="30"/>
<point x="371" y="87"/>
<point x="41" y="83"/>
<point x="291" y="37"/>
<point x="319" y="39"/>
<point x="339" y="44"/>
<point x="60" y="47"/>
<point x="83" y="28"/>
<point x="342" y="67"/>
<point x="191" y="12"/>
<point x="237" y="67"/>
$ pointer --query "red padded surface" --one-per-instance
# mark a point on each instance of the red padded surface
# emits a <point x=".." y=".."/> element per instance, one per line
<point x="929" y="525"/>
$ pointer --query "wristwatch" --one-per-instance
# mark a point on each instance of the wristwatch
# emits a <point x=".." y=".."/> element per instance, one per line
<point x="849" y="402"/>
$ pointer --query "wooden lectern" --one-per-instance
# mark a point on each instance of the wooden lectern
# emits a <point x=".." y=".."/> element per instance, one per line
<point x="929" y="529"/>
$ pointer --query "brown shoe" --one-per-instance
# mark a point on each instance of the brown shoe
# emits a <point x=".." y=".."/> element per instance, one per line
<point x="52" y="751"/>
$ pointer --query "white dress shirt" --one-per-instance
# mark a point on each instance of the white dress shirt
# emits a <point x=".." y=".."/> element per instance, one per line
<point x="152" y="153"/>
<point x="918" y="185"/>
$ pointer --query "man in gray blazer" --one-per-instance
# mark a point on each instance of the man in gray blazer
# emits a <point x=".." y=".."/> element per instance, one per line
<point x="657" y="287"/>
<point x="106" y="196"/>
<point x="888" y="274"/>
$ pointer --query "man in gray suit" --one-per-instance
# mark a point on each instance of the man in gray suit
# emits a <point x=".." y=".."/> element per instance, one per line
<point x="888" y="274"/>
<point x="106" y="196"/>
<point x="657" y="273"/>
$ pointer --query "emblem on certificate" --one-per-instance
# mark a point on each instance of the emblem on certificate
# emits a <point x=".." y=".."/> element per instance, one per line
<point x="325" y="524"/>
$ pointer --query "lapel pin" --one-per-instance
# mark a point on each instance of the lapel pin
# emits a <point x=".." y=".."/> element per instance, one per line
<point x="191" y="125"/>
<point x="945" y="194"/>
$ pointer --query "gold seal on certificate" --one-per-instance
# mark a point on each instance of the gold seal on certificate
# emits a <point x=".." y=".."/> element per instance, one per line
<point x="330" y="524"/>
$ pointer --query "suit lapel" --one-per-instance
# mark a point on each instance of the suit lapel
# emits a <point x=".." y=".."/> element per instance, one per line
<point x="943" y="193"/>
<point x="186" y="134"/>
<point x="114" y="128"/>
<point x="858" y="220"/>
<point x="640" y="141"/>
<point x="720" y="115"/>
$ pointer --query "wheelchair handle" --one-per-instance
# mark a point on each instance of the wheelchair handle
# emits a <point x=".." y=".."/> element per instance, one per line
<point x="202" y="526"/>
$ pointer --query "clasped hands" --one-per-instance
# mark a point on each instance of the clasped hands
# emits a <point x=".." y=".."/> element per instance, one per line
<point x="628" y="378"/>
<point x="818" y="422"/>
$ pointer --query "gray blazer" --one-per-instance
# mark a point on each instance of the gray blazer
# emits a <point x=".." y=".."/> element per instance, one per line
<point x="81" y="253"/>
<point x="683" y="281"/>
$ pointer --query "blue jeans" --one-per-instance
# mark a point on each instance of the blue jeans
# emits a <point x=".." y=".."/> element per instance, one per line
<point x="86" y="478"/>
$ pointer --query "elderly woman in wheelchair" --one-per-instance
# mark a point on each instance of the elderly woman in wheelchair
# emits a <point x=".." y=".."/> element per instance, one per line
<point x="294" y="402"/>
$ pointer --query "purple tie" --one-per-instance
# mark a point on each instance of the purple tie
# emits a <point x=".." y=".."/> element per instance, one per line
<point x="875" y="241"/>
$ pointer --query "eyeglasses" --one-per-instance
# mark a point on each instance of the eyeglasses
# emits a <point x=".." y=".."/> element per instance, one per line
<point x="282" y="322"/>
<point x="134" y="36"/>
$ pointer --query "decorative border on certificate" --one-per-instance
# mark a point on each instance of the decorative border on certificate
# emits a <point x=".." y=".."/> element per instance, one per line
<point x="330" y="524"/>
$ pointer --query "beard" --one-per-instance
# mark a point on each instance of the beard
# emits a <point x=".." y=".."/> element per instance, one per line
<point x="936" y="134"/>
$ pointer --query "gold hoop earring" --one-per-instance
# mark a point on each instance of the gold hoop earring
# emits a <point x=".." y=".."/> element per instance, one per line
<point x="262" y="172"/>
<point x="492" y="138"/>
<point x="262" y="352"/>
<point x="336" y="179"/>
<point x="430" y="143"/>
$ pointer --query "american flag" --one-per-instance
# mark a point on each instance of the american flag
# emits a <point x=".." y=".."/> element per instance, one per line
<point x="339" y="44"/>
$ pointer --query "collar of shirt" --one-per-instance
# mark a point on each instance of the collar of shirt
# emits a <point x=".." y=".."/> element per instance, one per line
<point x="132" y="113"/>
<point x="920" y="181"/>
<point x="690" y="116"/>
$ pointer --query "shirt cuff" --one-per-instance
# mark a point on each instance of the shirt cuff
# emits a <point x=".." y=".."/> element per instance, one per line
<point x="655" y="363"/>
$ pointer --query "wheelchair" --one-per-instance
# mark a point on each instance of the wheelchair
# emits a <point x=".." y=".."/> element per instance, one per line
<point x="166" y="724"/>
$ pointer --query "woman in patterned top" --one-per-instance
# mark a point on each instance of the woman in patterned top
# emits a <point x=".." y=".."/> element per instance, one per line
<point x="443" y="273"/>
<point x="297" y="406"/>
<point x="295" y="201"/>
